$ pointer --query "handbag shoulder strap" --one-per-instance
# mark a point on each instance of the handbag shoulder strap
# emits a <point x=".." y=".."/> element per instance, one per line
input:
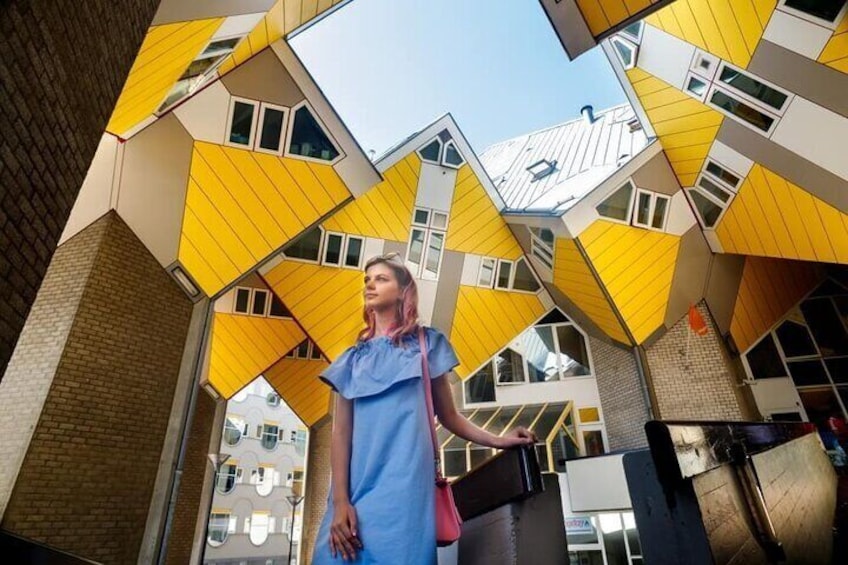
<point x="428" y="396"/>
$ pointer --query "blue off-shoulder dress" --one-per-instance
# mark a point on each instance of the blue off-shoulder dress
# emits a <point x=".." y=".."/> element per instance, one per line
<point x="391" y="460"/>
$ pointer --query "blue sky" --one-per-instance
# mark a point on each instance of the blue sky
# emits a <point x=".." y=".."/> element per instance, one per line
<point x="390" y="67"/>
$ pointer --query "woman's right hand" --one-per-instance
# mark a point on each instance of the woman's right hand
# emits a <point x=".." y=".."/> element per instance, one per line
<point x="344" y="537"/>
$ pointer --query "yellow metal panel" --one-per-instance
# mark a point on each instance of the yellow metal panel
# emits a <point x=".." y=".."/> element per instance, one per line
<point x="475" y="226"/>
<point x="244" y="346"/>
<point x="296" y="380"/>
<point x="241" y="206"/>
<point x="769" y="288"/>
<point x="594" y="15"/>
<point x="835" y="53"/>
<point x="480" y="320"/>
<point x="385" y="211"/>
<point x="636" y="267"/>
<point x="574" y="278"/>
<point x="602" y="15"/>
<point x="165" y="54"/>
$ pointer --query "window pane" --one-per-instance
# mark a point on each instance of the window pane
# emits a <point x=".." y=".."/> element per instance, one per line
<point x="333" y="253"/>
<point x="838" y="369"/>
<point x="308" y="139"/>
<point x="354" y="251"/>
<point x="422" y="217"/>
<point x="820" y="404"/>
<point x="805" y="373"/>
<point x="200" y="66"/>
<point x="272" y="129"/>
<point x="481" y="386"/>
<point x="593" y="441"/>
<point x="540" y="354"/>
<point x="617" y="205"/>
<point x="242" y="123"/>
<point x="303" y="350"/>
<point x="455" y="464"/>
<point x="574" y="358"/>
<point x="431" y="151"/>
<point x="826" y="327"/>
<point x="625" y="52"/>
<point x="440" y="220"/>
<point x="824" y="9"/>
<point x="452" y="156"/>
<point x="524" y="279"/>
<point x="479" y="455"/>
<point x="696" y="86"/>
<point x="258" y="528"/>
<point x="314" y="352"/>
<point x="504" y="269"/>
<point x="632" y="534"/>
<point x="659" y="212"/>
<point x="487" y="272"/>
<point x="260" y="300"/>
<point x="242" y="300"/>
<point x="278" y="308"/>
<point x="643" y="208"/>
<point x="752" y="87"/>
<point x="714" y="189"/>
<point x="434" y="252"/>
<point x="764" y="360"/>
<point x="795" y="339"/>
<point x="634" y="30"/>
<point x="306" y="246"/>
<point x="220" y="45"/>
<point x="707" y="209"/>
<point x="509" y="368"/>
<point x="722" y="173"/>
<point x="416" y="246"/>
<point x="742" y="111"/>
<point x="546" y="422"/>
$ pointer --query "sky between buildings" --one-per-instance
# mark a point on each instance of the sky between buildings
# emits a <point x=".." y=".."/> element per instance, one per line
<point x="390" y="67"/>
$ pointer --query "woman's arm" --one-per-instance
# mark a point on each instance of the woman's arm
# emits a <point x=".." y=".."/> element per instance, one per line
<point x="458" y="424"/>
<point x="343" y="534"/>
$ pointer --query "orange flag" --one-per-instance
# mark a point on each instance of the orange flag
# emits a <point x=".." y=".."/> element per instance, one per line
<point x="696" y="321"/>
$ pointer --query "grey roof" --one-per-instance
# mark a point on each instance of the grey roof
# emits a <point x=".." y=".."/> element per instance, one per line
<point x="585" y="155"/>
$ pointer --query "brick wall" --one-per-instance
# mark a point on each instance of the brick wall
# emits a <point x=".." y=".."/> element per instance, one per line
<point x="695" y="382"/>
<point x="622" y="400"/>
<point x="318" y="475"/>
<point x="87" y="478"/>
<point x="63" y="66"/>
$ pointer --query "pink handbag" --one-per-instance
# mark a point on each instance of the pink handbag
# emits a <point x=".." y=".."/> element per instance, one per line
<point x="448" y="521"/>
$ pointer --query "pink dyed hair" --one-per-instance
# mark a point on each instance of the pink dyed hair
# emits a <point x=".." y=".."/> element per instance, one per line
<point x="406" y="314"/>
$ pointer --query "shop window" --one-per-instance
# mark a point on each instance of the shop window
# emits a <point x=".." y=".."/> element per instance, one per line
<point x="827" y="328"/>
<point x="432" y="151"/>
<point x="308" y="139"/>
<point x="795" y="339"/>
<point x="452" y="157"/>
<point x="272" y="121"/>
<point x="306" y="247"/>
<point x="234" y="429"/>
<point x="542" y="246"/>
<point x="242" y="114"/>
<point x="225" y="479"/>
<point x="617" y="205"/>
<point x="764" y="360"/>
<point x="480" y="387"/>
<point x="259" y="528"/>
<point x="221" y="524"/>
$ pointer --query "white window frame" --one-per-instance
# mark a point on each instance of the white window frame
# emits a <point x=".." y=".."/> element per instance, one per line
<point x="735" y="95"/>
<point x="438" y="160"/>
<point x="725" y="184"/>
<point x="227" y="531"/>
<point x="532" y="273"/>
<point x="321" y="124"/>
<point x="274" y="316"/>
<point x="317" y="261"/>
<point x="745" y="97"/>
<point x="249" y="300"/>
<point x="253" y="293"/>
<point x="637" y="39"/>
<point x="325" y="246"/>
<point x="264" y="428"/>
<point x="419" y="270"/>
<point x="630" y="203"/>
<point x="444" y="152"/>
<point x="694" y="76"/>
<point x="652" y="206"/>
<point x="426" y="274"/>
<point x="235" y="476"/>
<point x="539" y="246"/>
<point x="706" y="194"/>
<point x="263" y="106"/>
<point x="345" y="249"/>
<point x="494" y="263"/>
<point x="229" y="123"/>
<point x="242" y="431"/>
<point x="498" y="271"/>
<point x="781" y="5"/>
<point x="633" y="46"/>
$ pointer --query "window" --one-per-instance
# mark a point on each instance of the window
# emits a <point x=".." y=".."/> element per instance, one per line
<point x="269" y="436"/>
<point x="524" y="279"/>
<point x="343" y="250"/>
<point x="541" y="169"/>
<point x="225" y="480"/>
<point x="333" y="249"/>
<point x="432" y="151"/>
<point x="242" y="114"/>
<point x="634" y="31"/>
<point x="617" y="205"/>
<point x="242" y="301"/>
<point x="305" y="350"/>
<point x="626" y="50"/>
<point x="353" y="252"/>
<point x="697" y="87"/>
<point x="722" y="174"/>
<point x="452" y="157"/>
<point x="258" y="528"/>
<point x="234" y="428"/>
<point x="265" y="478"/>
<point x="752" y="88"/>
<point x="480" y="387"/>
<point x="426" y="243"/>
<point x="745" y="112"/>
<point x="817" y="11"/>
<point x="272" y="121"/>
<point x="307" y="247"/>
<point x="486" y="277"/>
<point x="712" y="193"/>
<point x="651" y="210"/>
<point x="258" y="302"/>
<point x="504" y="274"/>
<point x="220" y="526"/>
<point x="278" y="309"/>
<point x="308" y="138"/>
<point x="273" y="399"/>
<point x="542" y="246"/>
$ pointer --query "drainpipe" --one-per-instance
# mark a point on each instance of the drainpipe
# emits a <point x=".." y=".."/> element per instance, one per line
<point x="647" y="384"/>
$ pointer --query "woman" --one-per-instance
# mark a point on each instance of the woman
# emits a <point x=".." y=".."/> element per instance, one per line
<point x="381" y="507"/>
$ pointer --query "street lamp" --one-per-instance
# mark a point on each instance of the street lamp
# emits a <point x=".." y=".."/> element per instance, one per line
<point x="294" y="500"/>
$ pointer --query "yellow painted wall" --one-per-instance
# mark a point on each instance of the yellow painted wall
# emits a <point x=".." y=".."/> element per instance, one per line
<point x="772" y="217"/>
<point x="242" y="347"/>
<point x="385" y="211"/>
<point x="601" y="15"/>
<point x="475" y="225"/>
<point x="297" y="382"/>
<point x="769" y="288"/>
<point x="241" y="206"/>
<point x="165" y="54"/>
<point x="730" y="29"/>
<point x="486" y="320"/>
<point x="283" y="17"/>
<point x="686" y="127"/>
<point x="575" y="279"/>
<point x="835" y="53"/>
<point x="327" y="301"/>
<point x="636" y="267"/>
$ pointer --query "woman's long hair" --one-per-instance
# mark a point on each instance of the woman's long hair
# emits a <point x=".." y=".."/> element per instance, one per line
<point x="406" y="314"/>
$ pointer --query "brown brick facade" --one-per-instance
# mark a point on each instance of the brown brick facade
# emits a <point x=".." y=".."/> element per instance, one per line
<point x="622" y="399"/>
<point x="63" y="66"/>
<point x="695" y="381"/>
<point x="86" y="481"/>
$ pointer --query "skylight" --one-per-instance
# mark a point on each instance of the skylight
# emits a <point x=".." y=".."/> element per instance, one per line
<point x="542" y="168"/>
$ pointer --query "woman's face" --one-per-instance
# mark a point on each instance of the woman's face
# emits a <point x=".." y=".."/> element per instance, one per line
<point x="382" y="289"/>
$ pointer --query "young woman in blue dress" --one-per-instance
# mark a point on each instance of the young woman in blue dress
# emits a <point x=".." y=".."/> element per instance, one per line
<point x="381" y="507"/>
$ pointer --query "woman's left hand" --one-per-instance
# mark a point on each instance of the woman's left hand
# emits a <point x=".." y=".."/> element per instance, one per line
<point x="517" y="436"/>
